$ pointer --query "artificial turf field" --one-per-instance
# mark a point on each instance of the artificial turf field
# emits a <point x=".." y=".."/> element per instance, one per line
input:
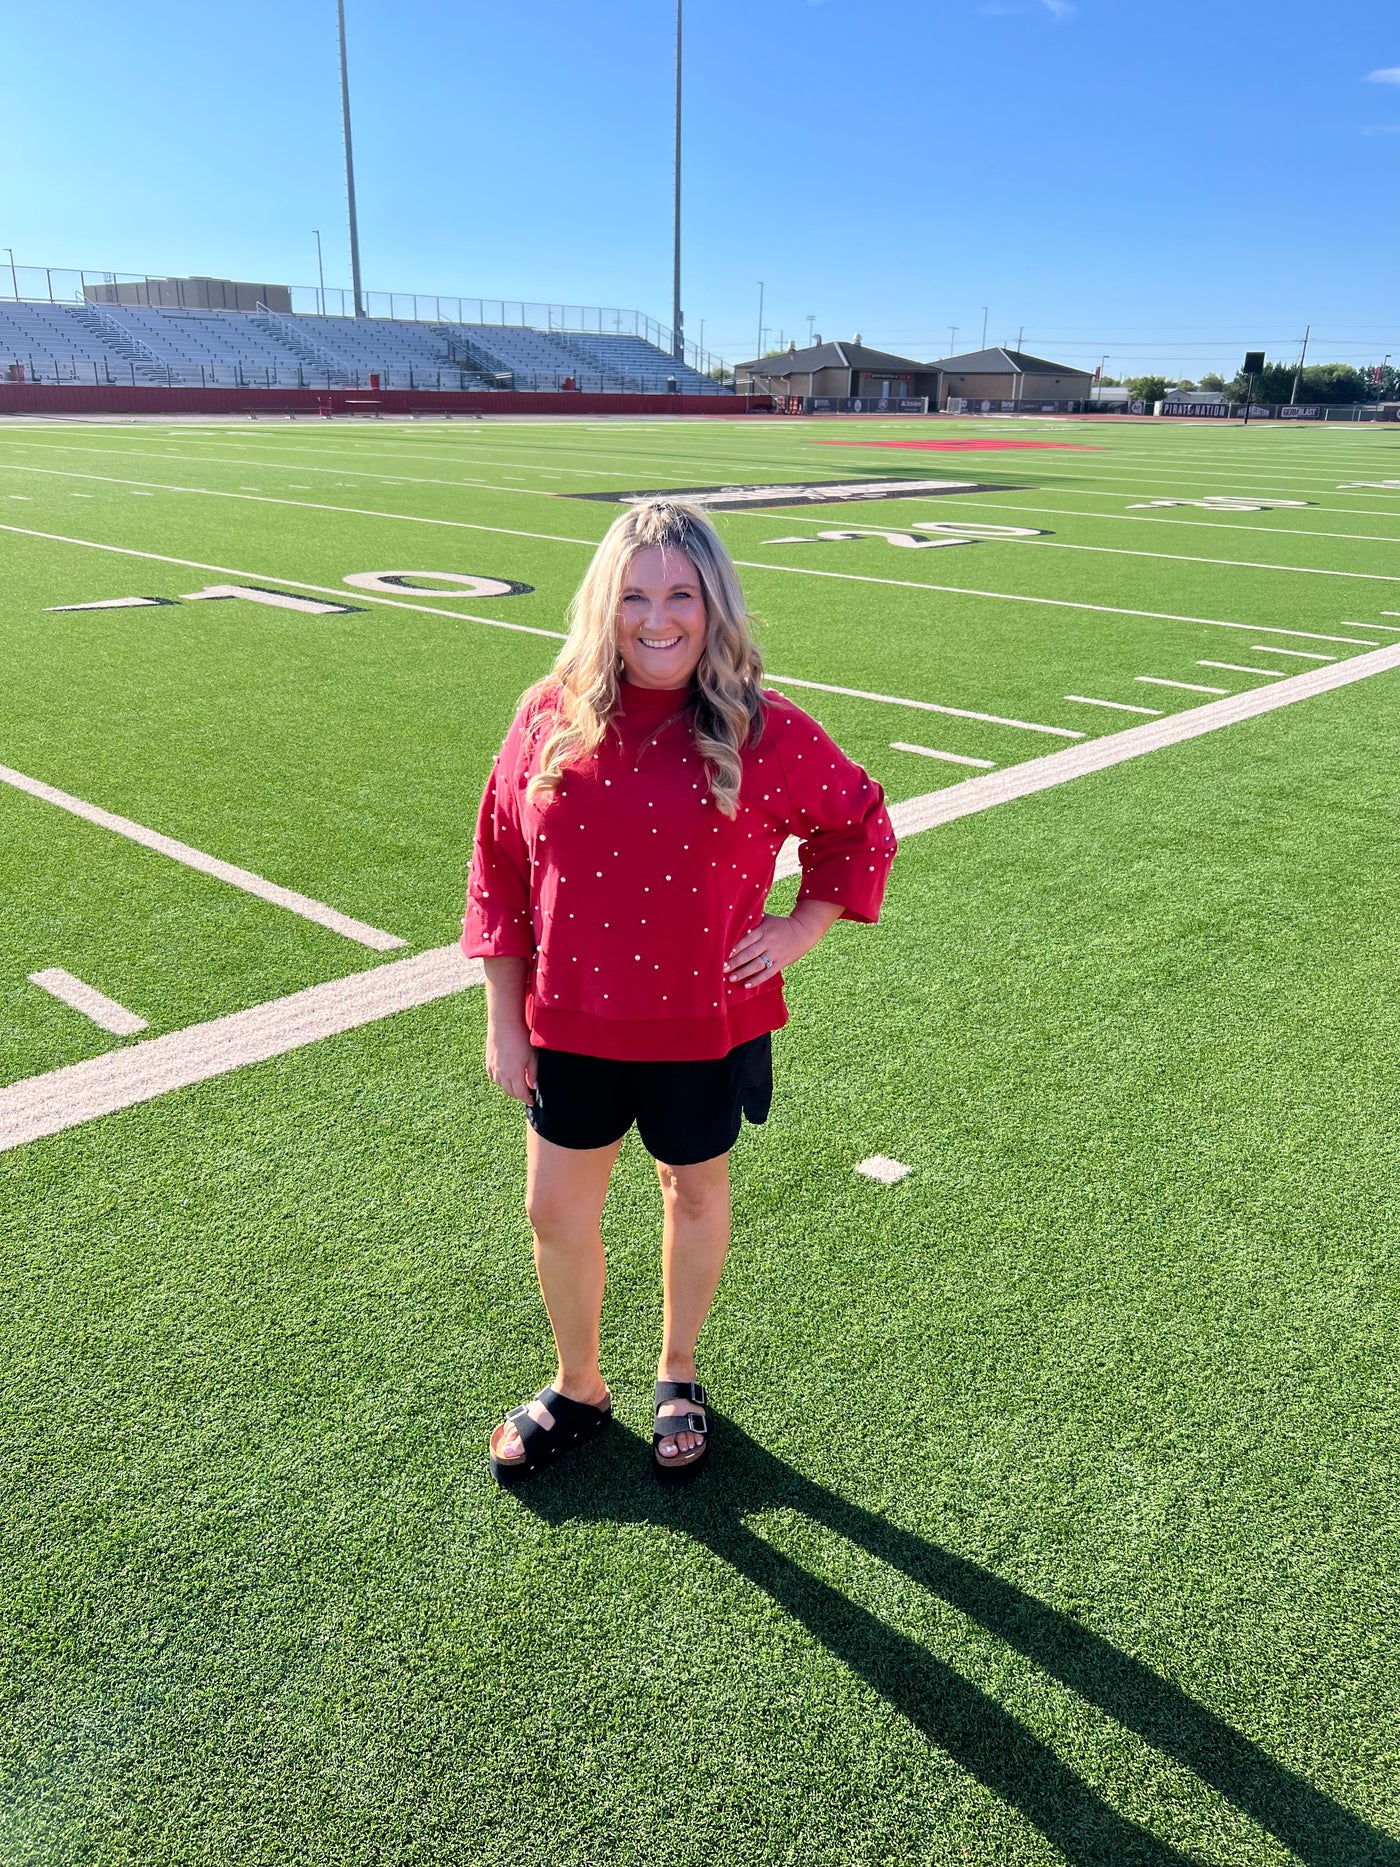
<point x="1052" y="1513"/>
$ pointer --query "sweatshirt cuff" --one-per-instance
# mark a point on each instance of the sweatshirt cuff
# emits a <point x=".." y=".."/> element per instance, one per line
<point x="501" y="934"/>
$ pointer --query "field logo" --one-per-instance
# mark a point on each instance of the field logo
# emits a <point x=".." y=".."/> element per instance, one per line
<point x="796" y="492"/>
<point x="928" y="537"/>
<point x="1225" y="502"/>
<point x="1383" y="486"/>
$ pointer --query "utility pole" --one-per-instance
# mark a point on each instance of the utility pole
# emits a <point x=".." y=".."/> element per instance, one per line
<point x="1019" y="336"/>
<point x="984" y="327"/>
<point x="759" y="351"/>
<point x="349" y="166"/>
<point x="811" y="321"/>
<point x="677" y="318"/>
<point x="952" y="339"/>
<point x="320" y="273"/>
<point x="1298" y="373"/>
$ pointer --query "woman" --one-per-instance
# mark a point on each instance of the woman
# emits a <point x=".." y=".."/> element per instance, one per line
<point x="624" y="852"/>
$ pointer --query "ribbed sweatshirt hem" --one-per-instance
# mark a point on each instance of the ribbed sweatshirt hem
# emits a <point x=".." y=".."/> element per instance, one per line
<point x="658" y="1040"/>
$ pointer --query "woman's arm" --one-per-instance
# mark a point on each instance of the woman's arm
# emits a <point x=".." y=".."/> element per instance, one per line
<point x="784" y="938"/>
<point x="510" y="1056"/>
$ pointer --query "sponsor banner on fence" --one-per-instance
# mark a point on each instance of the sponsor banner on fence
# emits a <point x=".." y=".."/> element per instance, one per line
<point x="797" y="492"/>
<point x="1007" y="405"/>
<point x="863" y="404"/>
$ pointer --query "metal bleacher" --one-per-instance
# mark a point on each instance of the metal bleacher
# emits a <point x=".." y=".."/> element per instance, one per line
<point x="147" y="344"/>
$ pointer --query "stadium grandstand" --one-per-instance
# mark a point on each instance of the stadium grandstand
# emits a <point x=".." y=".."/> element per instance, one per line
<point x="142" y="338"/>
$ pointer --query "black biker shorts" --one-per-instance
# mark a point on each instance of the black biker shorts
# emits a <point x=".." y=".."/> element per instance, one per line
<point x="685" y="1112"/>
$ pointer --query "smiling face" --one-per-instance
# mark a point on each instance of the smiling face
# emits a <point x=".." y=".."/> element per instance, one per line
<point x="661" y="619"/>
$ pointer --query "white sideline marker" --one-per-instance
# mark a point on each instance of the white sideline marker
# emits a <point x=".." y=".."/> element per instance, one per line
<point x="880" y="1167"/>
<point x="1191" y="687"/>
<point x="1119" y="706"/>
<point x="229" y="872"/>
<point x="1237" y="667"/>
<point x="1299" y="654"/>
<point x="88" y="1000"/>
<point x="952" y="758"/>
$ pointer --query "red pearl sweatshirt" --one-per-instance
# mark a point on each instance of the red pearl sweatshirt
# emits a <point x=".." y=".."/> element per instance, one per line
<point x="627" y="888"/>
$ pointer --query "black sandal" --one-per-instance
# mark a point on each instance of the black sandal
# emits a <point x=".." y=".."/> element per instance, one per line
<point x="574" y="1422"/>
<point x="668" y="1425"/>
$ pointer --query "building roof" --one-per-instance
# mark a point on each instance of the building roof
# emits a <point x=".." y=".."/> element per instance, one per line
<point x="832" y="356"/>
<point x="999" y="362"/>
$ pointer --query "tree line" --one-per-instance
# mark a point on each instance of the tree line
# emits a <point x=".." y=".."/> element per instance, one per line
<point x="1320" y="382"/>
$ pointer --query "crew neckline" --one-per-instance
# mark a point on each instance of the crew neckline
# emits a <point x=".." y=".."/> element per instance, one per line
<point x="633" y="699"/>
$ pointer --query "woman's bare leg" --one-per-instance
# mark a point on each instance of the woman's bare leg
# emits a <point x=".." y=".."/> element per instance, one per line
<point x="694" y="1245"/>
<point x="564" y="1194"/>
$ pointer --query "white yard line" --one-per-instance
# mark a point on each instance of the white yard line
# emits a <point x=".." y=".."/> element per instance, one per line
<point x="1191" y="687"/>
<point x="46" y="1105"/>
<point x="924" y="706"/>
<point x="1121" y="706"/>
<point x="93" y="1004"/>
<point x="293" y="583"/>
<point x="1238" y="667"/>
<point x="229" y="872"/>
<point x="1054" y="602"/>
<point x="951" y="758"/>
<point x="304" y="505"/>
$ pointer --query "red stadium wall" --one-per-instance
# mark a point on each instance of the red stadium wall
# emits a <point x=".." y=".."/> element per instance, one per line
<point x="114" y="399"/>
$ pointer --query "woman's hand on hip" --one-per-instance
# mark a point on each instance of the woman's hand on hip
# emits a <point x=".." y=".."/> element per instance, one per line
<point x="779" y="941"/>
<point x="510" y="1061"/>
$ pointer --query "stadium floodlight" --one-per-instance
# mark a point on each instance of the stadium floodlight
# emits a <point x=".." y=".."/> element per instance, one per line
<point x="349" y="166"/>
<point x="759" y="351"/>
<point x="320" y="273"/>
<point x="984" y="327"/>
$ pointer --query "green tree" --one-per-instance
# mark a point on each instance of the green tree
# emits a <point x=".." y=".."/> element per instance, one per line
<point x="1321" y="382"/>
<point x="1185" y="383"/>
<point x="1211" y="381"/>
<point x="1145" y="388"/>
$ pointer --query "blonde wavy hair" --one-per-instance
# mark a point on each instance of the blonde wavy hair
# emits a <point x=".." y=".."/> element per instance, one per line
<point x="583" y="688"/>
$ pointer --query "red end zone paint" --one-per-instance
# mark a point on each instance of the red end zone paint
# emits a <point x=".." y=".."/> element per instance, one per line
<point x="949" y="447"/>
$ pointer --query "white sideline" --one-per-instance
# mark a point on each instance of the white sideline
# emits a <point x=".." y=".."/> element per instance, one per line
<point x="65" y="1098"/>
<point x="44" y="1105"/>
<point x="93" y="1004"/>
<point x="229" y="872"/>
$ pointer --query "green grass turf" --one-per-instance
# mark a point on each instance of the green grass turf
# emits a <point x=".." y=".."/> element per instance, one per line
<point x="1053" y="1508"/>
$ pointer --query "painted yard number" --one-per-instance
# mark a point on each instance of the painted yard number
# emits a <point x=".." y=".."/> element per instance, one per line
<point x="390" y="582"/>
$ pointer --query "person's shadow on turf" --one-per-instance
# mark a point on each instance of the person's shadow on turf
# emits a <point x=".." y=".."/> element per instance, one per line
<point x="611" y="1485"/>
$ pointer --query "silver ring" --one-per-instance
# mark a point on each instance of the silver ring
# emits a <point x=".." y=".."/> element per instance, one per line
<point x="768" y="961"/>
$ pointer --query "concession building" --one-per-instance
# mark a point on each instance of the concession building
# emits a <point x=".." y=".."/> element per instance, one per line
<point x="999" y="375"/>
<point x="838" y="370"/>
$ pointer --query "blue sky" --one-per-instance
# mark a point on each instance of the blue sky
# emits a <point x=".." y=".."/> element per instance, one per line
<point x="1167" y="184"/>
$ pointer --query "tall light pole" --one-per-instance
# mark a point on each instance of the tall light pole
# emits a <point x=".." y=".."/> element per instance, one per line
<point x="14" y="276"/>
<point x="984" y="327"/>
<point x="952" y="339"/>
<point x="759" y="351"/>
<point x="1298" y="373"/>
<point x="677" y="327"/>
<point x="349" y="166"/>
<point x="320" y="273"/>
